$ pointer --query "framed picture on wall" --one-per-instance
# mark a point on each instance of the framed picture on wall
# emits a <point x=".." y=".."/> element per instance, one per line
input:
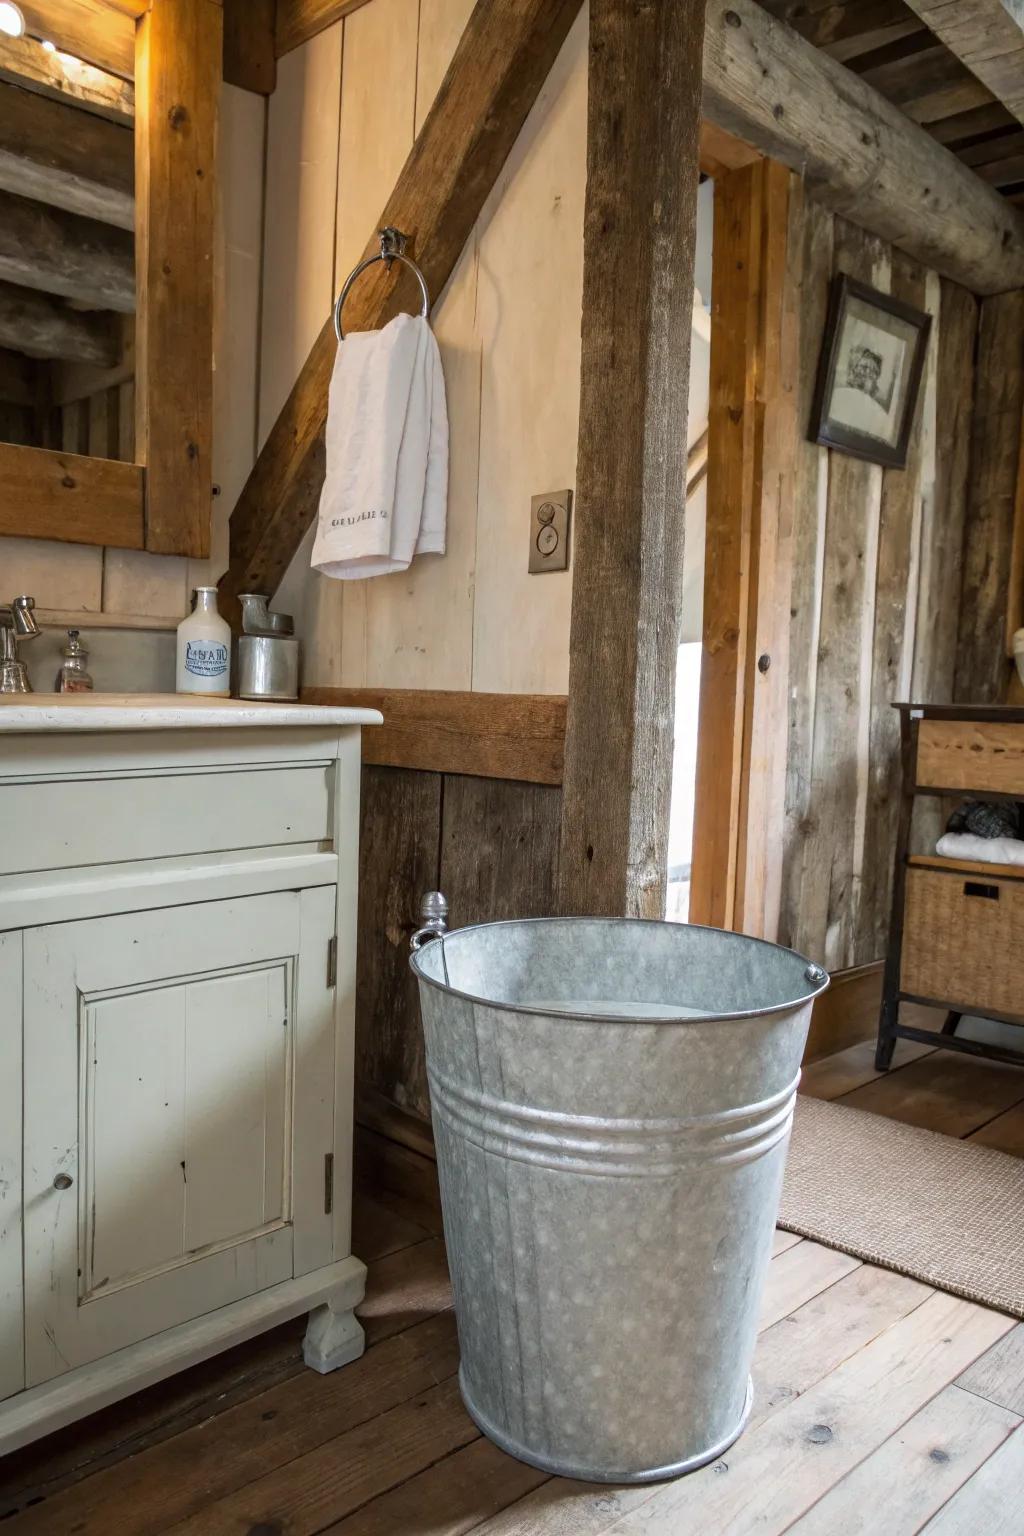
<point x="869" y="376"/>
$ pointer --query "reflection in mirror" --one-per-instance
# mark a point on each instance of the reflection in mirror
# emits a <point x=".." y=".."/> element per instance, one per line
<point x="67" y="270"/>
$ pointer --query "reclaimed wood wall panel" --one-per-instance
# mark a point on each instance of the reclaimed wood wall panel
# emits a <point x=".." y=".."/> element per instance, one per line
<point x="492" y="846"/>
<point x="982" y="668"/>
<point x="877" y="575"/>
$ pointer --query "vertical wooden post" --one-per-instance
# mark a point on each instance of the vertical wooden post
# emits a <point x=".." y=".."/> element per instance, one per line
<point x="178" y="66"/>
<point x="741" y="741"/>
<point x="639" y="228"/>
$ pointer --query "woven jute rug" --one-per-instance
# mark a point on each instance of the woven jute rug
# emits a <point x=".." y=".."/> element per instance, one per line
<point x="940" y="1210"/>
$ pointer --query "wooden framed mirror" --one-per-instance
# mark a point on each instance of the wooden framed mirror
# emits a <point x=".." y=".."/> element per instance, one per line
<point x="107" y="153"/>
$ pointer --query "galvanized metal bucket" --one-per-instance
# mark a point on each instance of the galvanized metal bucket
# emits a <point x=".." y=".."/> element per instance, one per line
<point x="612" y="1102"/>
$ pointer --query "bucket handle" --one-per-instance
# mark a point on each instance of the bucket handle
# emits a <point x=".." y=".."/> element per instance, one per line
<point x="433" y="918"/>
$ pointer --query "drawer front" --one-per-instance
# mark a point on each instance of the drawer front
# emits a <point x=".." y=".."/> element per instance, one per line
<point x="105" y="821"/>
<point x="962" y="940"/>
<point x="971" y="755"/>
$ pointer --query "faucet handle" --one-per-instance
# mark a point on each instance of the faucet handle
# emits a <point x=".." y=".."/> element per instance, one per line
<point x="22" y="614"/>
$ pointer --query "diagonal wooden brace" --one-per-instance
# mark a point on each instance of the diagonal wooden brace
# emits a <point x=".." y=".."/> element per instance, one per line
<point x="502" y="60"/>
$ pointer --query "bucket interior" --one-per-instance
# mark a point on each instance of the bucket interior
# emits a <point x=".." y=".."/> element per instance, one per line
<point x="618" y="968"/>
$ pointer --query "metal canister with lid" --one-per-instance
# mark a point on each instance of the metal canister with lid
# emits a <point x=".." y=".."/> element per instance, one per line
<point x="268" y="652"/>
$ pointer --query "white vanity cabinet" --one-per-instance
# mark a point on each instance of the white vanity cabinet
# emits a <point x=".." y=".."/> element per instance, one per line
<point x="177" y="973"/>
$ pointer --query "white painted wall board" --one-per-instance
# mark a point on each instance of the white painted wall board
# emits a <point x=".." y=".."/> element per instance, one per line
<point x="12" y="1349"/>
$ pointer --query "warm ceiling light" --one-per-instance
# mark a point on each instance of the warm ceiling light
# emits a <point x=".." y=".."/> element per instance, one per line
<point x="11" y="20"/>
<point x="47" y="46"/>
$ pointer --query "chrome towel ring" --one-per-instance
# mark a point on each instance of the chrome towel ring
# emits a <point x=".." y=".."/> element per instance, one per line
<point x="392" y="248"/>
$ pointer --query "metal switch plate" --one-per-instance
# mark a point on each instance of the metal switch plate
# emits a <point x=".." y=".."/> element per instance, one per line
<point x="549" y="531"/>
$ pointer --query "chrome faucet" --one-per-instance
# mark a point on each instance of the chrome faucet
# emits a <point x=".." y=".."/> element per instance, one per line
<point x="17" y="622"/>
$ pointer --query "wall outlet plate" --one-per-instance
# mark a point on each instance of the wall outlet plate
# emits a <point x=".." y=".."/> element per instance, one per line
<point x="549" y="531"/>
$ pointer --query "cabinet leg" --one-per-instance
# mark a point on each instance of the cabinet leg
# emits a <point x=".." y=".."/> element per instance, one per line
<point x="886" y="1039"/>
<point x="333" y="1338"/>
<point x="950" y="1025"/>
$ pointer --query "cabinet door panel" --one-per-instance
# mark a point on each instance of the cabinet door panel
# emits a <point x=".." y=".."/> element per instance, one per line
<point x="163" y="1050"/>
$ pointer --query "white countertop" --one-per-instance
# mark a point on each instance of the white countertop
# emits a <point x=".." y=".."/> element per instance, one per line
<point x="161" y="712"/>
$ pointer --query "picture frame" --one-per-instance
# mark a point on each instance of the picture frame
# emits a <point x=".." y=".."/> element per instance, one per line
<point x="869" y="374"/>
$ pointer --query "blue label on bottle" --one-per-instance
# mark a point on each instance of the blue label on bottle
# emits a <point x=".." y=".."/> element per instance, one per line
<point x="206" y="658"/>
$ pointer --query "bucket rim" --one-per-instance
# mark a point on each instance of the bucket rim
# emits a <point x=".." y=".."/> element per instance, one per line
<point x="548" y="1012"/>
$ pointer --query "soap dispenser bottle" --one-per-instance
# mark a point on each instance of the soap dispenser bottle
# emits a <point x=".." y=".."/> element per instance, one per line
<point x="72" y="676"/>
<point x="204" y="648"/>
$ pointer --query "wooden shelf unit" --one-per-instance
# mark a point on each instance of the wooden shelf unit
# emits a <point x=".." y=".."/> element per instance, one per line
<point x="956" y="937"/>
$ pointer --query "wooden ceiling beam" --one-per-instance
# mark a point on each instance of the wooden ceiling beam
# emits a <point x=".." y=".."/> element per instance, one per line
<point x="71" y="159"/>
<point x="58" y="252"/>
<point x="988" y="37"/>
<point x="299" y="20"/>
<point x="500" y="64"/>
<point x="89" y="30"/>
<point x="24" y="62"/>
<point x="40" y="326"/>
<point x="860" y="155"/>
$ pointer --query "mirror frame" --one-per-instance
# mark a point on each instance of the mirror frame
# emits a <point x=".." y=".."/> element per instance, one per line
<point x="162" y="502"/>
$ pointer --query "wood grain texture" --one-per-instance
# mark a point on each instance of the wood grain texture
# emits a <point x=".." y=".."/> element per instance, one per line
<point x="88" y="29"/>
<point x="846" y="1013"/>
<point x="638" y="242"/>
<point x="71" y="159"/>
<point x="62" y="253"/>
<point x="986" y="36"/>
<point x="24" y="63"/>
<point x="499" y="849"/>
<point x="942" y="1092"/>
<point x="496" y="735"/>
<point x="250" y="61"/>
<point x="981" y="665"/>
<point x="179" y="68"/>
<point x="400" y="834"/>
<point x="299" y="20"/>
<point x="498" y="69"/>
<point x="860" y="154"/>
<point x="892" y="650"/>
<point x="78" y="500"/>
<point x="971" y="754"/>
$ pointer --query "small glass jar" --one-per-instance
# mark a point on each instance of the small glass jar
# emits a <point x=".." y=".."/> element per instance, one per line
<point x="72" y="676"/>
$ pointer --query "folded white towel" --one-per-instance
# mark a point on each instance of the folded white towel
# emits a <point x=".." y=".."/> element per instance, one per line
<point x="385" y="492"/>
<point x="982" y="850"/>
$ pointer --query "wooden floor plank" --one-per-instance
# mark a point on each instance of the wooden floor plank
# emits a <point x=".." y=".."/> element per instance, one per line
<point x="1005" y="1132"/>
<point x="990" y="1504"/>
<point x="378" y="1230"/>
<point x="783" y="1240"/>
<point x="322" y="1487"/>
<point x="792" y="1356"/>
<point x="944" y="1092"/>
<point x="833" y="1076"/>
<point x="449" y="1498"/>
<point x="915" y="1472"/>
<point x="405" y="1288"/>
<point x="798" y="1274"/>
<point x="999" y="1373"/>
<point x="780" y="1469"/>
<point x="173" y="1480"/>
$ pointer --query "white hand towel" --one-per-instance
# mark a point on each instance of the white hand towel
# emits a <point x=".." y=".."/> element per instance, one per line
<point x="385" y="492"/>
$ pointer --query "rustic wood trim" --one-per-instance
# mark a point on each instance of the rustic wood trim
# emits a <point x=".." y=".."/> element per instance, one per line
<point x="639" y="225"/>
<point x="986" y="36"/>
<point x="491" y="735"/>
<point x="250" y="60"/>
<point x="847" y="1013"/>
<point x="722" y="152"/>
<point x="861" y="155"/>
<point x="741" y="739"/>
<point x="299" y="20"/>
<point x="1015" y="596"/>
<point x="49" y="328"/>
<point x="499" y="66"/>
<point x="24" y="63"/>
<point x="50" y="495"/>
<point x="179" y="77"/>
<point x="377" y="1113"/>
<point x="88" y="29"/>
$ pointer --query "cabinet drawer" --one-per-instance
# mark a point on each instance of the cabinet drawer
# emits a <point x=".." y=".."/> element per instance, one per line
<point x="975" y="755"/>
<point x="104" y="821"/>
<point x="962" y="940"/>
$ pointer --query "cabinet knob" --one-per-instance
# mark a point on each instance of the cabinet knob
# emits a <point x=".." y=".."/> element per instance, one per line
<point x="63" y="1181"/>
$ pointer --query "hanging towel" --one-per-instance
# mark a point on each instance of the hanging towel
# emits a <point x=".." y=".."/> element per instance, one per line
<point x="385" y="493"/>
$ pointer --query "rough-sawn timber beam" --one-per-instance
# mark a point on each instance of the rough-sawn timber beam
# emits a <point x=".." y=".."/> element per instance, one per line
<point x="501" y="62"/>
<point x="59" y="252"/>
<point x="988" y="37"/>
<point x="859" y="154"/>
<point x="643" y="134"/>
<point x="40" y="326"/>
<point x="71" y="159"/>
